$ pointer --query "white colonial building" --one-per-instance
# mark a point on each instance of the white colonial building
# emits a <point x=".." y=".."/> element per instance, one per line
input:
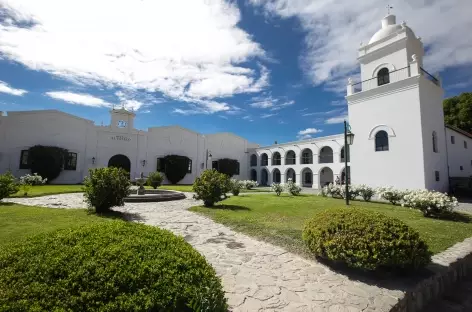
<point x="395" y="113"/>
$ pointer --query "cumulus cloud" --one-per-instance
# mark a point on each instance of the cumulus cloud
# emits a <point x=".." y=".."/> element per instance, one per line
<point x="78" y="98"/>
<point x="268" y="101"/>
<point x="308" y="133"/>
<point x="335" y="28"/>
<point x="196" y="55"/>
<point x="5" y="88"/>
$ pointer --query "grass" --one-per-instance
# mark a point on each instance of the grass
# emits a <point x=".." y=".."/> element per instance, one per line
<point x="280" y="220"/>
<point x="41" y="190"/>
<point x="17" y="222"/>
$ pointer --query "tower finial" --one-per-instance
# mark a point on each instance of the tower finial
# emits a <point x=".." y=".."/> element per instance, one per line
<point x="389" y="7"/>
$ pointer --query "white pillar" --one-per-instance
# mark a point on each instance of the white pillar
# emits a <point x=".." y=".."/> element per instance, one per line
<point x="414" y="66"/>
<point x="297" y="179"/>
<point x="350" y="86"/>
<point x="316" y="181"/>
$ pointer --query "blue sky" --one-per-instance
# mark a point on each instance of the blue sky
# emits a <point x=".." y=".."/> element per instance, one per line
<point x="263" y="69"/>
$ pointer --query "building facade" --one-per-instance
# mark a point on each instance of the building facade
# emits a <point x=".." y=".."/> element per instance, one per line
<point x="395" y="113"/>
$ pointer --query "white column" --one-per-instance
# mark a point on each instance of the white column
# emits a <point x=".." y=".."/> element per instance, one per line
<point x="350" y="86"/>
<point x="316" y="181"/>
<point x="414" y="66"/>
<point x="297" y="179"/>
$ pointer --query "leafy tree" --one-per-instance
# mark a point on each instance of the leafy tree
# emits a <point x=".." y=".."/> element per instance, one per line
<point x="210" y="186"/>
<point x="227" y="166"/>
<point x="47" y="161"/>
<point x="8" y="185"/>
<point x="175" y="167"/>
<point x="458" y="111"/>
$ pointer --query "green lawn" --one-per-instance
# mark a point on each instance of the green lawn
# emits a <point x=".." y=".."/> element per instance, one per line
<point x="18" y="222"/>
<point x="40" y="190"/>
<point x="280" y="220"/>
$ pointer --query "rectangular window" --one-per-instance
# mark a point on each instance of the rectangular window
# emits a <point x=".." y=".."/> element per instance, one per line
<point x="465" y="144"/>
<point x="71" y="161"/>
<point x="436" y="174"/>
<point x="462" y="168"/>
<point x="189" y="169"/>
<point x="24" y="160"/>
<point x="160" y="164"/>
<point x="453" y="140"/>
<point x="214" y="164"/>
<point x="237" y="169"/>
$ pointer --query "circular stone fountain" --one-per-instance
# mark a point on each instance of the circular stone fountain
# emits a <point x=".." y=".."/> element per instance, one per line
<point x="141" y="195"/>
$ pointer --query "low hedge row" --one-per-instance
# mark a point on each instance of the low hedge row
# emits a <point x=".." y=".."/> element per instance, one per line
<point x="112" y="266"/>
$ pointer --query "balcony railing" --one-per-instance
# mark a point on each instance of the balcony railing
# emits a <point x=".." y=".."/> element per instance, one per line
<point x="373" y="83"/>
<point x="429" y="76"/>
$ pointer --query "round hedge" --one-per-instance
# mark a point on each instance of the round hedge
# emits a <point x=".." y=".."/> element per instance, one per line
<point x="110" y="266"/>
<point x="175" y="167"/>
<point x="47" y="161"/>
<point x="365" y="240"/>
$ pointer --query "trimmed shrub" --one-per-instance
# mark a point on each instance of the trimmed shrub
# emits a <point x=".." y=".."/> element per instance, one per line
<point x="365" y="240"/>
<point x="8" y="185"/>
<point x="175" y="167"/>
<point x="430" y="203"/>
<point x="210" y="186"/>
<point x="249" y="184"/>
<point x="277" y="188"/>
<point x="105" y="188"/>
<point x="154" y="179"/>
<point x="292" y="188"/>
<point x="389" y="193"/>
<point x="227" y="166"/>
<point x="366" y="192"/>
<point x="110" y="266"/>
<point x="236" y="187"/>
<point x="32" y="179"/>
<point x="47" y="161"/>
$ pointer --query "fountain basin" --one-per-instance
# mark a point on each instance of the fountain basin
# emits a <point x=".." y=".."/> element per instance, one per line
<point x="154" y="196"/>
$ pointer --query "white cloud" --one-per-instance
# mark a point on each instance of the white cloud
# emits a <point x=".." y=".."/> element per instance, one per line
<point x="327" y="113"/>
<point x="268" y="101"/>
<point x="336" y="120"/>
<point x="5" y="88"/>
<point x="78" y="98"/>
<point x="308" y="133"/>
<point x="268" y="115"/>
<point x="335" y="28"/>
<point x="195" y="55"/>
<point x="283" y="105"/>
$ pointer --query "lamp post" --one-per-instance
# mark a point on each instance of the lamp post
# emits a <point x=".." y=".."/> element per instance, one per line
<point x="348" y="140"/>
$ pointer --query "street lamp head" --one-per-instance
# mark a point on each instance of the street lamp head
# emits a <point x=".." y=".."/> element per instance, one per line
<point x="350" y="138"/>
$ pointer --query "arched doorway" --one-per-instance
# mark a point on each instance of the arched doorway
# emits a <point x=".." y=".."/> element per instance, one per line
<point x="307" y="177"/>
<point x="120" y="161"/>
<point x="290" y="174"/>
<point x="276" y="176"/>
<point x="253" y="175"/>
<point x="326" y="176"/>
<point x="264" y="177"/>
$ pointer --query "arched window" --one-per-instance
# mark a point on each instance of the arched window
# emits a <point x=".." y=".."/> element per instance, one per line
<point x="307" y="156"/>
<point x="383" y="76"/>
<point x="276" y="159"/>
<point x="264" y="160"/>
<point x="381" y="141"/>
<point x="326" y="155"/>
<point x="435" y="142"/>
<point x="253" y="160"/>
<point x="290" y="158"/>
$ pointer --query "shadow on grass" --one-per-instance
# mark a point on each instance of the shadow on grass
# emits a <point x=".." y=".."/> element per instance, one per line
<point x="455" y="217"/>
<point x="403" y="280"/>
<point x="119" y="215"/>
<point x="230" y="207"/>
<point x="6" y="204"/>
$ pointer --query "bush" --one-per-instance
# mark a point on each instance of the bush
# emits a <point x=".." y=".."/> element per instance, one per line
<point x="210" y="186"/>
<point x="389" y="193"/>
<point x="230" y="167"/>
<point x="292" y="188"/>
<point x="47" y="161"/>
<point x="8" y="185"/>
<point x="365" y="240"/>
<point x="277" y="188"/>
<point x="154" y="179"/>
<point x="235" y="186"/>
<point x="110" y="266"/>
<point x="33" y="179"/>
<point x="366" y="192"/>
<point x="105" y="188"/>
<point x="249" y="184"/>
<point x="431" y="203"/>
<point x="175" y="167"/>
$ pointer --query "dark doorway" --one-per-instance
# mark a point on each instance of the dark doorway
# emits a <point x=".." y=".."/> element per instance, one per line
<point x="120" y="161"/>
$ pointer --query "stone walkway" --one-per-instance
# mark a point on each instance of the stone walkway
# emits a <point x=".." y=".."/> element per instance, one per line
<point x="257" y="276"/>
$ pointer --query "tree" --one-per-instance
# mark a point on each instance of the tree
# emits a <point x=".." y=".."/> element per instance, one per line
<point x="176" y="167"/>
<point x="458" y="111"/>
<point x="230" y="167"/>
<point x="47" y="161"/>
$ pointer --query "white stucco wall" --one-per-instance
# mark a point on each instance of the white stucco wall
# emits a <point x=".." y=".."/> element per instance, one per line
<point x="458" y="155"/>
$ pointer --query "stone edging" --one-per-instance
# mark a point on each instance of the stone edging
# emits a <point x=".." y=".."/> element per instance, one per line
<point x="448" y="267"/>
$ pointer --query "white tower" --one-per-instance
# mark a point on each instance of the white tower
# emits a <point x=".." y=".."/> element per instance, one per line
<point x="122" y="120"/>
<point x="396" y="114"/>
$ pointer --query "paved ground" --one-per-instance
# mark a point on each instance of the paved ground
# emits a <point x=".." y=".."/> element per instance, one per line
<point x="256" y="276"/>
<point x="457" y="300"/>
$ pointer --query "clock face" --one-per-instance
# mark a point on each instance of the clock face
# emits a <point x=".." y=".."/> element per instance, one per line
<point x="122" y="124"/>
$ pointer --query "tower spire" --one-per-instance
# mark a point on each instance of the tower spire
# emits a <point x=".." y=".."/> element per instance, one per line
<point x="389" y="7"/>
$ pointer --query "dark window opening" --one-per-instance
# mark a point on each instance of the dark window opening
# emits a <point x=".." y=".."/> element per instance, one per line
<point x="160" y="164"/>
<point x="453" y="139"/>
<point x="71" y="161"/>
<point x="24" y="164"/>
<point x="189" y="169"/>
<point x="381" y="141"/>
<point x="465" y="144"/>
<point x="462" y="168"/>
<point x="436" y="174"/>
<point x="383" y="76"/>
<point x="214" y="164"/>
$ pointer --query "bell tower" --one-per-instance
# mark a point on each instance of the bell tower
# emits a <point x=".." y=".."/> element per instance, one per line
<point x="396" y="112"/>
<point x="122" y="120"/>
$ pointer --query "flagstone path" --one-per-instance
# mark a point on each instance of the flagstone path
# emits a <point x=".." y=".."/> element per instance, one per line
<point x="256" y="276"/>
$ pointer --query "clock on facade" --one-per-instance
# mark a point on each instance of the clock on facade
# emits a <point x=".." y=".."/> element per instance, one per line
<point x="122" y="124"/>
